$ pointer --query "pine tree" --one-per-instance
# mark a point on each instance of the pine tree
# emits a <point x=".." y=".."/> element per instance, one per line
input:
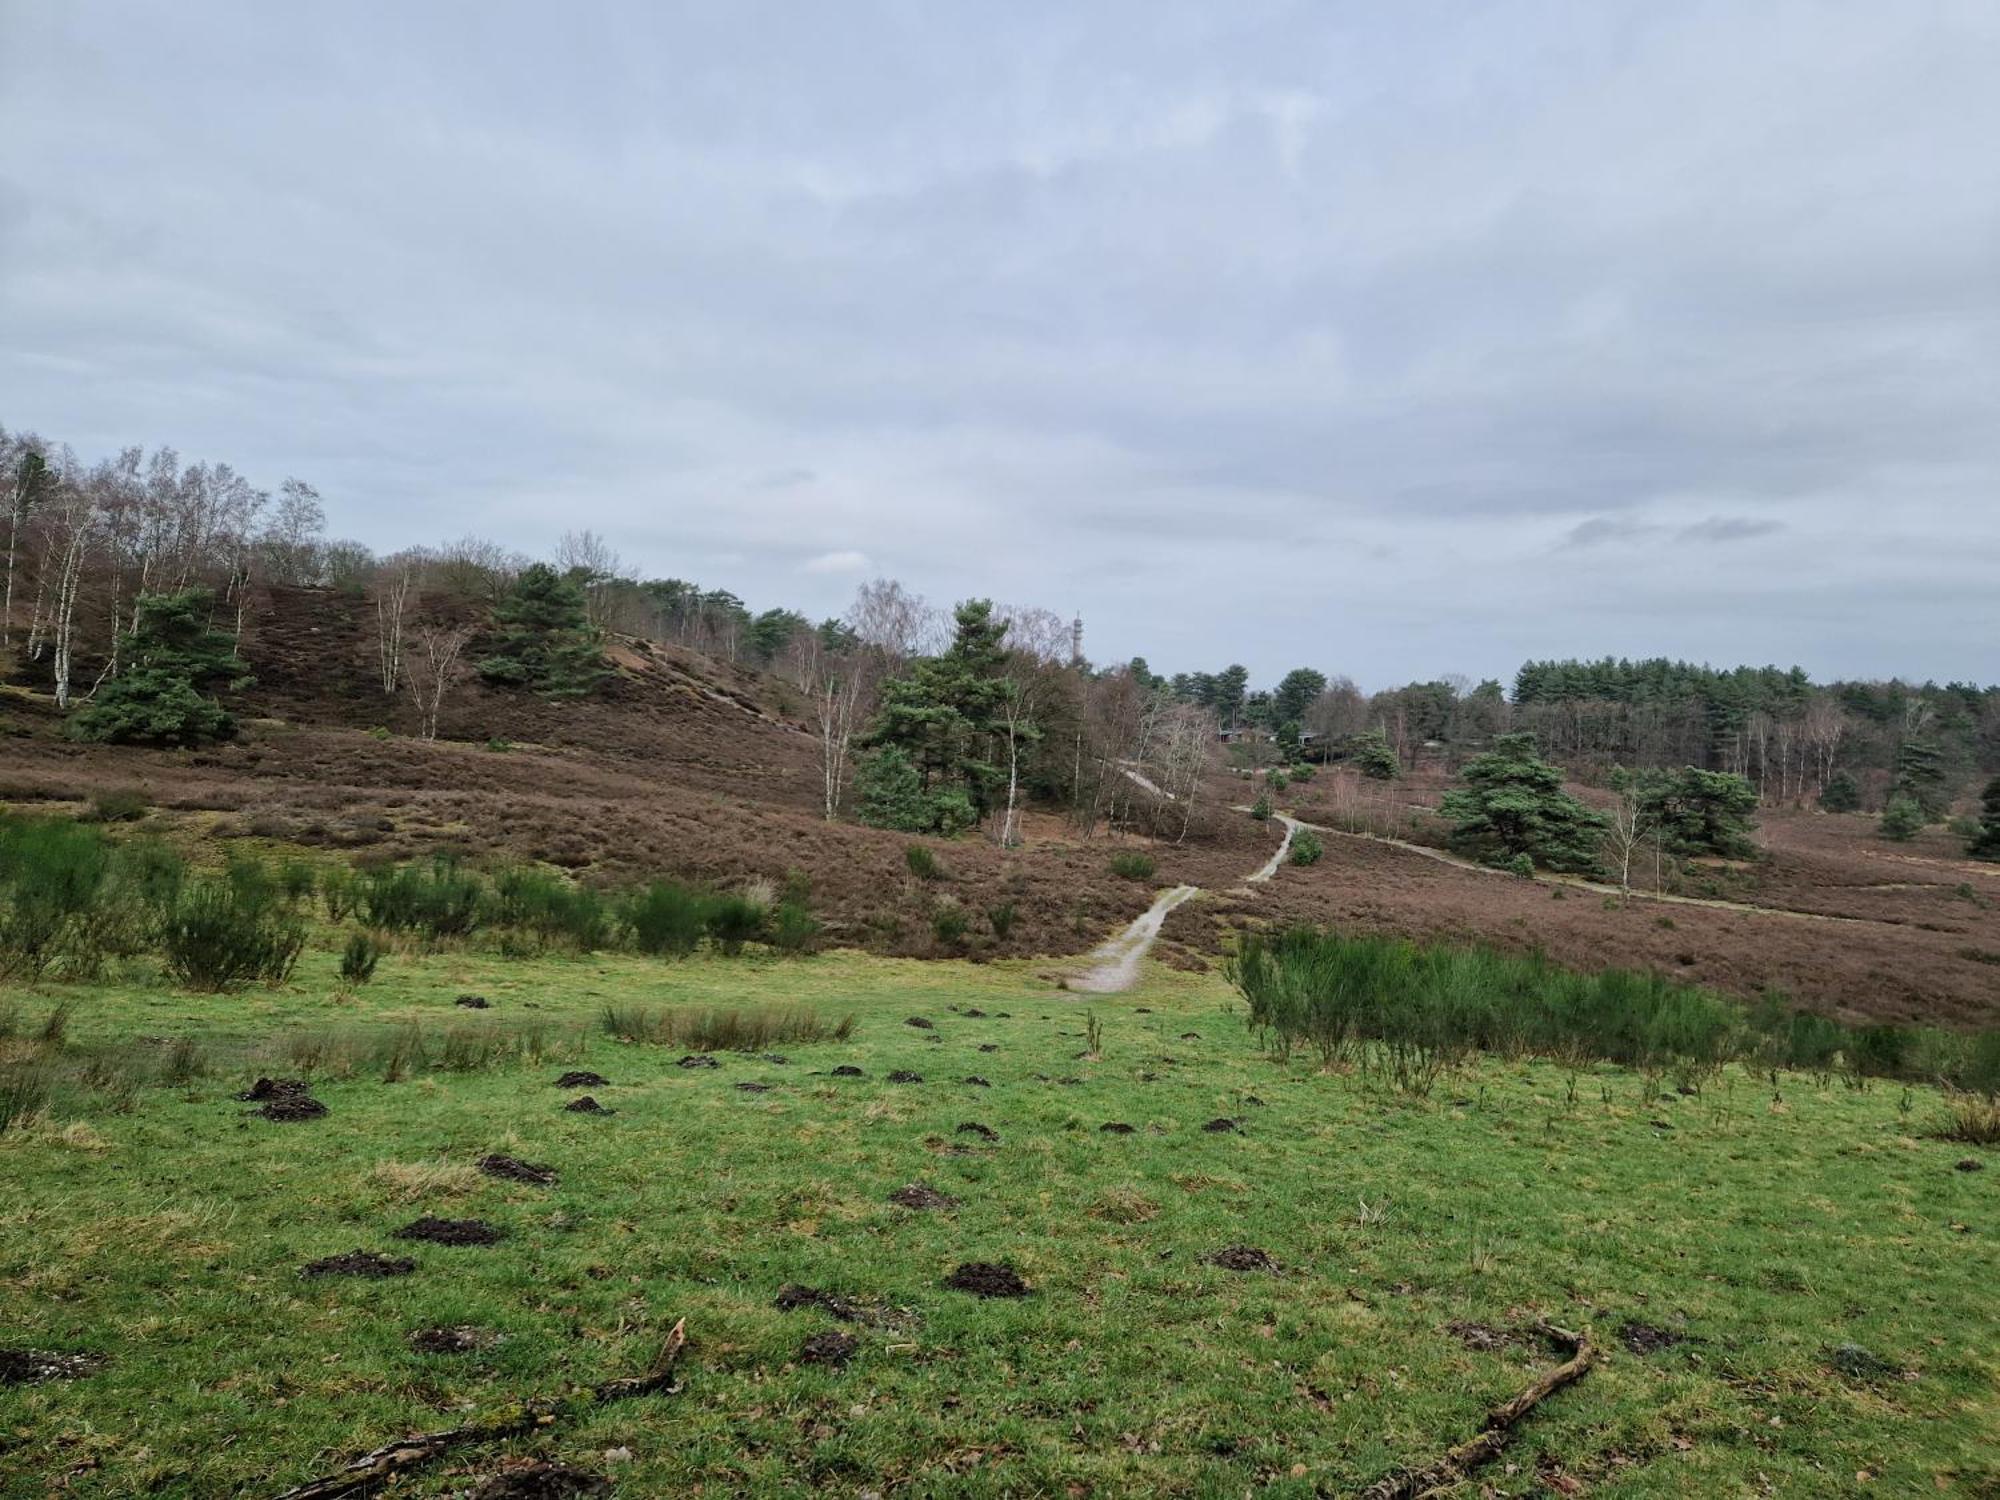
<point x="174" y="662"/>
<point x="1512" y="806"/>
<point x="1375" y="757"/>
<point x="1920" y="777"/>
<point x="1985" y="844"/>
<point x="1840" y="794"/>
<point x="542" y="638"/>
<point x="944" y="713"/>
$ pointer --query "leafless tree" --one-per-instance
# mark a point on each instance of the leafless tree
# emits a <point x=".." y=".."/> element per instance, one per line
<point x="28" y="482"/>
<point x="433" y="669"/>
<point x="591" y="560"/>
<point x="840" y="687"/>
<point x="1040" y="633"/>
<point x="397" y="584"/>
<point x="888" y="616"/>
<point x="291" y="540"/>
<point x="1626" y="828"/>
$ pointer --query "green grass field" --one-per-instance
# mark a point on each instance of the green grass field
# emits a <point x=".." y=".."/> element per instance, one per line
<point x="163" y="1229"/>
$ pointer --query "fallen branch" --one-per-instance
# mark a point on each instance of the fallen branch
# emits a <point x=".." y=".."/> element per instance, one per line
<point x="1495" y="1432"/>
<point x="364" y="1475"/>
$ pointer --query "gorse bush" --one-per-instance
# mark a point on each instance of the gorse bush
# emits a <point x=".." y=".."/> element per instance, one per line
<point x="222" y="935"/>
<point x="440" y="899"/>
<point x="666" y="919"/>
<point x="359" y="958"/>
<point x="1133" y="865"/>
<point x="52" y="871"/>
<point x="550" y="909"/>
<point x="1306" y="847"/>
<point x="1411" y="1012"/>
<point x="922" y="862"/>
<point x="1001" y="917"/>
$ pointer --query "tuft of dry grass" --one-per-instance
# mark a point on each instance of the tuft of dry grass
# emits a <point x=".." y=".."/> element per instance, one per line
<point x="410" y="1181"/>
<point x="1970" y="1119"/>
<point x="1123" y="1205"/>
<point x="725" y="1028"/>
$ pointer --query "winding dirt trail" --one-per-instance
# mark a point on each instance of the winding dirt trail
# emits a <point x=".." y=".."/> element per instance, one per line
<point x="1114" y="965"/>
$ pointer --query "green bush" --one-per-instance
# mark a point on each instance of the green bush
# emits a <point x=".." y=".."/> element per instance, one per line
<point x="1001" y="916"/>
<point x="222" y="935"/>
<point x="551" y="910"/>
<point x="733" y="920"/>
<point x="1902" y="820"/>
<point x="52" y="871"/>
<point x="948" y="925"/>
<point x="923" y="862"/>
<point x="793" y="928"/>
<point x="1261" y="809"/>
<point x="1132" y="865"/>
<point x="440" y="899"/>
<point x="1306" y="847"/>
<point x="1841" y="794"/>
<point x="119" y="805"/>
<point x="667" y="919"/>
<point x="359" y="957"/>
<point x="1375" y="757"/>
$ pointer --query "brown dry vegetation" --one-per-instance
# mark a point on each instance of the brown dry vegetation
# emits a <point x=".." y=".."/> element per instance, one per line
<point x="688" y="766"/>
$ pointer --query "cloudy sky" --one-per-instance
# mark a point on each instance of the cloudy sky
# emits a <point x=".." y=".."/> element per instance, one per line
<point x="1391" y="339"/>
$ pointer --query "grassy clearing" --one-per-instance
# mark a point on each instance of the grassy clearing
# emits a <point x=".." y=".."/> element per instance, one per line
<point x="162" y="1227"/>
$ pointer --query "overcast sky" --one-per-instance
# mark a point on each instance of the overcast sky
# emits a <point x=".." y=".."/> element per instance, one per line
<point x="1392" y="339"/>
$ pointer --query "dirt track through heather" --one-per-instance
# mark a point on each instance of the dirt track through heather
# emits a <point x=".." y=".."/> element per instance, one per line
<point x="1115" y="964"/>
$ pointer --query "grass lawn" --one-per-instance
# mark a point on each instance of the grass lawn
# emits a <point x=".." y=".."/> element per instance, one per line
<point x="1416" y="1243"/>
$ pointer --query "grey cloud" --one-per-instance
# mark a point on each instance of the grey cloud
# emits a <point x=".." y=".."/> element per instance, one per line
<point x="1105" y="308"/>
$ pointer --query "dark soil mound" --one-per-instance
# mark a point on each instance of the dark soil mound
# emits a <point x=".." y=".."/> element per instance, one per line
<point x="697" y="1060"/>
<point x="586" y="1106"/>
<point x="473" y="1002"/>
<point x="1243" y="1258"/>
<point x="1115" y="1127"/>
<point x="276" y="1088"/>
<point x="848" y="1070"/>
<point x="989" y="1046"/>
<point x="1222" y="1125"/>
<point x="904" y="1075"/>
<point x="1857" y="1363"/>
<point x="792" y="1296"/>
<point x="463" y="1339"/>
<point x="921" y="1024"/>
<point x="512" y="1169"/>
<point x="583" y="1079"/>
<point x="984" y="1132"/>
<point x="776" y="1057"/>
<point x="754" y="1088"/>
<point x="1645" y="1338"/>
<point x="436" y="1231"/>
<point x="1483" y="1337"/>
<point x="364" y="1263"/>
<point x="974" y="1014"/>
<point x="33" y="1366"/>
<point x="921" y="1195"/>
<point x="538" y="1481"/>
<point x="975" y="1081"/>
<point x="1190" y="1036"/>
<point x="1969" y="1164"/>
<point x="832" y="1347"/>
<point x="983" y="1279"/>
<point x="292" y="1107"/>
